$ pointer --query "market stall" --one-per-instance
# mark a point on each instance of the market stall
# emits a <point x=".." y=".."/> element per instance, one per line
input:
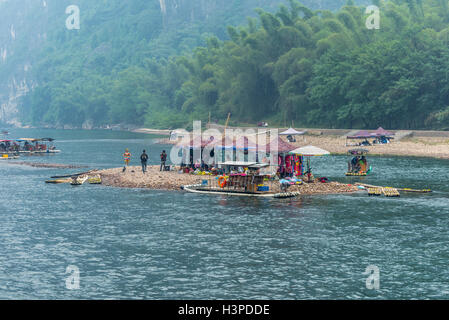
<point x="308" y="152"/>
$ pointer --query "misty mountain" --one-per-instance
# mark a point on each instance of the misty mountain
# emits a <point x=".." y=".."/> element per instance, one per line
<point x="35" y="44"/>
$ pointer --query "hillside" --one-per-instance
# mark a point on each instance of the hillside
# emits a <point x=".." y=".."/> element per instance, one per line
<point x="41" y="61"/>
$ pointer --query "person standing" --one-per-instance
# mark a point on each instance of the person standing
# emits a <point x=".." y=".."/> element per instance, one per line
<point x="163" y="160"/>
<point x="144" y="160"/>
<point x="127" y="158"/>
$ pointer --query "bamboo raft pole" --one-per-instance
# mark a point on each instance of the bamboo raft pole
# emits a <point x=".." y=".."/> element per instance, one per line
<point x="73" y="175"/>
<point x="399" y="189"/>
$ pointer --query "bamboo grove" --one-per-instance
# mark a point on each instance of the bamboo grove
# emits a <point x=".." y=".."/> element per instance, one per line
<point x="318" y="68"/>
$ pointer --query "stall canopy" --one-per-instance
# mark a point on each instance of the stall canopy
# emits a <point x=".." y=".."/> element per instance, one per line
<point x="242" y="143"/>
<point x="275" y="145"/>
<point x="197" y="142"/>
<point x="310" y="151"/>
<point x="281" y="145"/>
<point x="381" y="132"/>
<point x="292" y="132"/>
<point x="363" y="134"/>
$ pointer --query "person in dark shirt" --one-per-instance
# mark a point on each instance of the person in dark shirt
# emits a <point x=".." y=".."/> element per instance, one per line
<point x="353" y="164"/>
<point x="163" y="160"/>
<point x="144" y="160"/>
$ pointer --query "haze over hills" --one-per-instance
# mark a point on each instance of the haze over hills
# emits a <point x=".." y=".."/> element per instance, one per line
<point x="113" y="35"/>
<point x="134" y="63"/>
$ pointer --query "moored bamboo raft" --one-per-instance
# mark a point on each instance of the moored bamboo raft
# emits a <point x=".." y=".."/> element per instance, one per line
<point x="198" y="188"/>
<point x="374" y="192"/>
<point x="368" y="186"/>
<point x="94" y="179"/>
<point x="391" y="192"/>
<point x="379" y="191"/>
<point x="353" y="174"/>
<point x="77" y="181"/>
<point x="58" y="181"/>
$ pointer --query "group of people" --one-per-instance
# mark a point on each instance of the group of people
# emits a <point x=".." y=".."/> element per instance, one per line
<point x="13" y="146"/>
<point x="358" y="164"/>
<point x="144" y="160"/>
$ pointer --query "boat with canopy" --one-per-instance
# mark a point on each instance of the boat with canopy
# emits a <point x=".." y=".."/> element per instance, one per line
<point x="246" y="168"/>
<point x="242" y="178"/>
<point x="35" y="146"/>
<point x="358" y="165"/>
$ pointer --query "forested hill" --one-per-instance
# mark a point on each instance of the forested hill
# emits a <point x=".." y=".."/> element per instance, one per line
<point x="132" y="62"/>
<point x="74" y="70"/>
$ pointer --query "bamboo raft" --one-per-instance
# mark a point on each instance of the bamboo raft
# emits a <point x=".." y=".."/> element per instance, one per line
<point x="79" y="180"/>
<point x="389" y="191"/>
<point x="374" y="192"/>
<point x="9" y="157"/>
<point x="76" y="180"/>
<point x="353" y="174"/>
<point x="59" y="181"/>
<point x="198" y="189"/>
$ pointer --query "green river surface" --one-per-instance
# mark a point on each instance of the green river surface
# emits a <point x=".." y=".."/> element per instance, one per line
<point x="134" y="244"/>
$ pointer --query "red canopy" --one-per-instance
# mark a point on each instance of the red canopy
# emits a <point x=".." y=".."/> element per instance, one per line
<point x="275" y="145"/>
<point x="240" y="143"/>
<point x="282" y="146"/>
<point x="382" y="132"/>
<point x="363" y="134"/>
<point x="198" y="142"/>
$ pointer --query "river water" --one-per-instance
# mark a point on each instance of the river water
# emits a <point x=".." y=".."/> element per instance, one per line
<point x="134" y="244"/>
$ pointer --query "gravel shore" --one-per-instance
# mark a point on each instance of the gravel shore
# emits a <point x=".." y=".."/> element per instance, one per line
<point x="156" y="180"/>
<point x="152" y="179"/>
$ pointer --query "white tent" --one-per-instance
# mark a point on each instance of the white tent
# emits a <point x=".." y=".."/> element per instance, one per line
<point x="291" y="132"/>
<point x="310" y="151"/>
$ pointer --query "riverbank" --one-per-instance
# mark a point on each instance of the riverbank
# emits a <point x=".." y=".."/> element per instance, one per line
<point x="432" y="144"/>
<point x="156" y="180"/>
<point x="433" y="147"/>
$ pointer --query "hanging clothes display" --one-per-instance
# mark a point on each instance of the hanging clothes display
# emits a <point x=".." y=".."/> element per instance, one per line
<point x="299" y="167"/>
<point x="289" y="165"/>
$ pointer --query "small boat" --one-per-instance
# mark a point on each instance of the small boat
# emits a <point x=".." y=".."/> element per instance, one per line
<point x="32" y="146"/>
<point x="59" y="181"/>
<point x="79" y="180"/>
<point x="9" y="157"/>
<point x="369" y="186"/>
<point x="241" y="179"/>
<point x="199" y="188"/>
<point x="358" y="166"/>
